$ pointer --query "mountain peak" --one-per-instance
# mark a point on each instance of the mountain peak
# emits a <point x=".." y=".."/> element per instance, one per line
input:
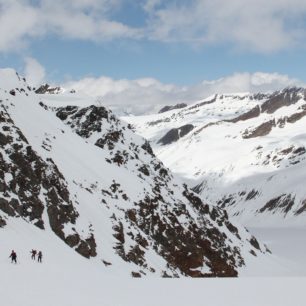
<point x="10" y="79"/>
<point x="247" y="153"/>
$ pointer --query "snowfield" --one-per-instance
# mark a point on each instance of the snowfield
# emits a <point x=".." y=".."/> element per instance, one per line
<point x="289" y="248"/>
<point x="61" y="281"/>
<point x="66" y="279"/>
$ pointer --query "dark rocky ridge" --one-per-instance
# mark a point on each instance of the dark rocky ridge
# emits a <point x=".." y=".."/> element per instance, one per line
<point x="190" y="109"/>
<point x="283" y="203"/>
<point x="214" y="99"/>
<point x="32" y="178"/>
<point x="172" y="107"/>
<point x="261" y="130"/>
<point x="47" y="89"/>
<point x="274" y="102"/>
<point x="277" y="100"/>
<point x="175" y="134"/>
<point x="253" y="113"/>
<point x="155" y="220"/>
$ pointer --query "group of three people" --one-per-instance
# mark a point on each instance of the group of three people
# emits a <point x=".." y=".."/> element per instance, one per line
<point x="13" y="256"/>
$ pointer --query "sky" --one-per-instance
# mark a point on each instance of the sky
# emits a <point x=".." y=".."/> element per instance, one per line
<point x="156" y="51"/>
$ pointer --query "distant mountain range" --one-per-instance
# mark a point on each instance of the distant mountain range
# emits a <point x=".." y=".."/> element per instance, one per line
<point x="242" y="152"/>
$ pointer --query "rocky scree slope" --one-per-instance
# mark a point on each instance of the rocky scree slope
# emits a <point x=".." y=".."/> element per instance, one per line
<point x="245" y="153"/>
<point x="84" y="175"/>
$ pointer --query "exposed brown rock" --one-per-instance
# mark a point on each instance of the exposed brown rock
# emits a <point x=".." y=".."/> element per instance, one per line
<point x="73" y="240"/>
<point x="301" y="209"/>
<point x="284" y="203"/>
<point x="172" y="107"/>
<point x="143" y="169"/>
<point x="261" y="130"/>
<point x="253" y="113"/>
<point x="87" y="247"/>
<point x="110" y="139"/>
<point x="147" y="147"/>
<point x="175" y="134"/>
<point x="47" y="89"/>
<point x="254" y="243"/>
<point x="295" y="117"/>
<point x="279" y="99"/>
<point x="251" y="195"/>
<point x="33" y="177"/>
<point x="93" y="118"/>
<point x="2" y="222"/>
<point x="136" y="274"/>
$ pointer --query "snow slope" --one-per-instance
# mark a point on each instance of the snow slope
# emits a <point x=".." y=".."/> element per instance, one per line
<point x="65" y="279"/>
<point x="77" y="178"/>
<point x="244" y="152"/>
<point x="56" y="160"/>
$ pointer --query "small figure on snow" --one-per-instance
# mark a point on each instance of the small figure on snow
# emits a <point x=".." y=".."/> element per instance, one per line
<point x="39" y="257"/>
<point x="33" y="252"/>
<point x="13" y="257"/>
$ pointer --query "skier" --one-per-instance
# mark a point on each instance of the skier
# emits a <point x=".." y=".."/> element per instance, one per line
<point x="33" y="252"/>
<point x="39" y="257"/>
<point x="13" y="257"/>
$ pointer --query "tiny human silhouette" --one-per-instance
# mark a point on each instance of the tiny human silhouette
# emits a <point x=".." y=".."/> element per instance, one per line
<point x="33" y="254"/>
<point x="13" y="257"/>
<point x="39" y="257"/>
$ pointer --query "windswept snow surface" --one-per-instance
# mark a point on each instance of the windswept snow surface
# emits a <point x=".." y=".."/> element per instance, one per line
<point x="66" y="279"/>
<point x="289" y="249"/>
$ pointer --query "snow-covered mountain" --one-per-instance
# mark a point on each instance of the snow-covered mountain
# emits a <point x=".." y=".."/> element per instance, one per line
<point x="82" y="175"/>
<point x="244" y="152"/>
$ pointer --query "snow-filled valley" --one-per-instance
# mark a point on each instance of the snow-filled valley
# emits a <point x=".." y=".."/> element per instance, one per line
<point x="243" y="152"/>
<point x="79" y="184"/>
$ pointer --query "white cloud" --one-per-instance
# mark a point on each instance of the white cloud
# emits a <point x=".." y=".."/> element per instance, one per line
<point x="23" y="20"/>
<point x="247" y="82"/>
<point x="132" y="96"/>
<point x="17" y="22"/>
<point x="256" y="25"/>
<point x="150" y="5"/>
<point x="149" y="95"/>
<point x="34" y="72"/>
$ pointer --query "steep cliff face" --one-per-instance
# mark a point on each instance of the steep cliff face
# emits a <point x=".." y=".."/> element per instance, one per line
<point x="34" y="188"/>
<point x="84" y="175"/>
